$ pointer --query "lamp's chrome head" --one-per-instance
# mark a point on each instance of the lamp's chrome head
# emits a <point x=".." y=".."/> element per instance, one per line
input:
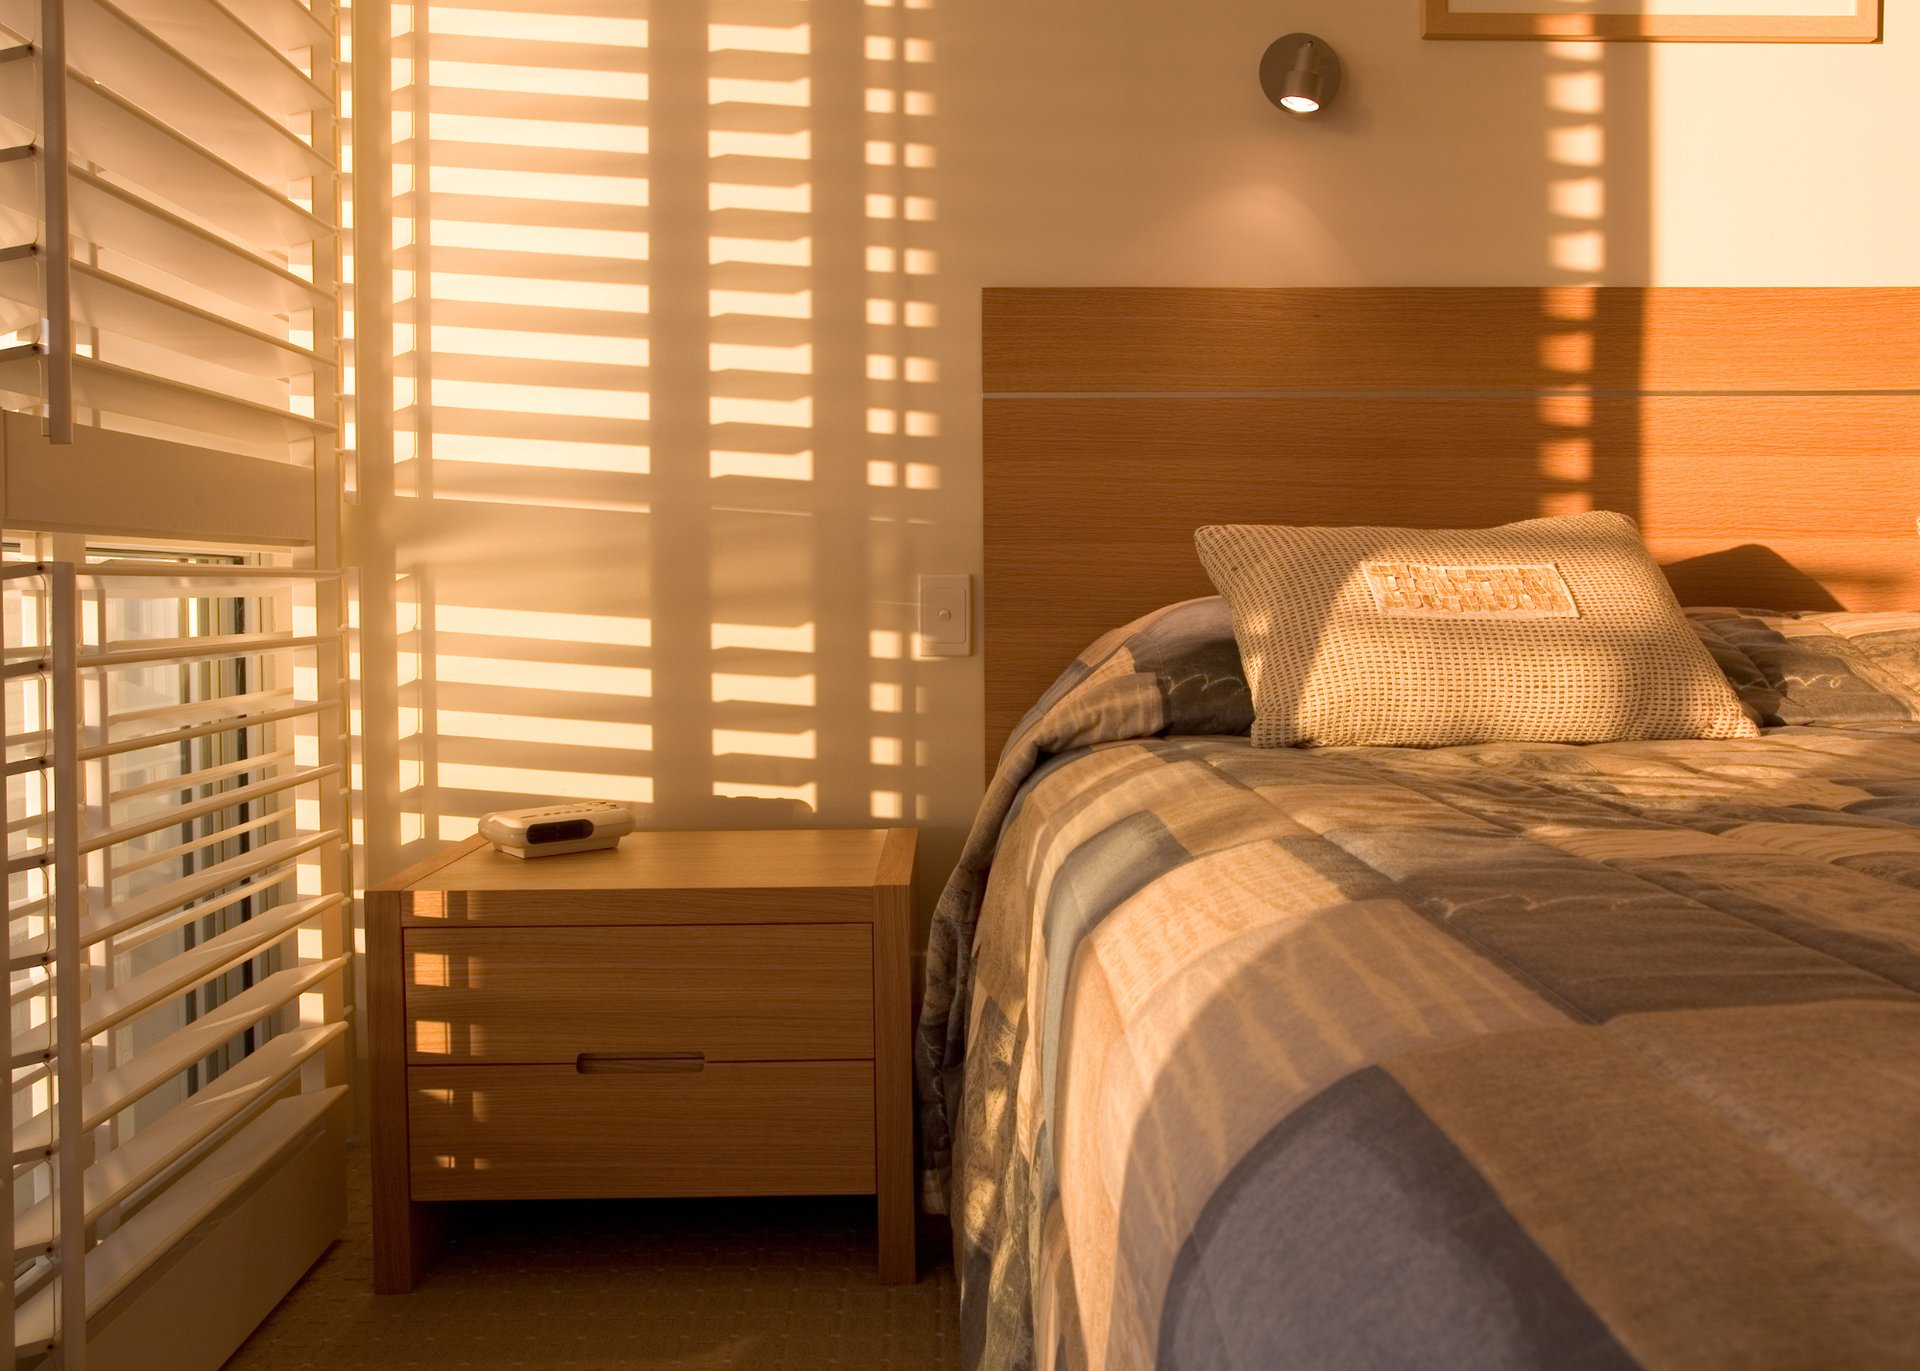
<point x="1300" y="73"/>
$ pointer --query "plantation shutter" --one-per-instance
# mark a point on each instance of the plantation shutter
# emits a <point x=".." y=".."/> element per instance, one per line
<point x="168" y="269"/>
<point x="175" y="751"/>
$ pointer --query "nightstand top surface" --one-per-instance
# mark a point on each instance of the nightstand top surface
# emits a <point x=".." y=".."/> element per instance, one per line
<point x="783" y="859"/>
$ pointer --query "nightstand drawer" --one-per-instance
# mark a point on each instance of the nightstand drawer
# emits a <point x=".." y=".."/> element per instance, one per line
<point x="770" y="992"/>
<point x="542" y="1132"/>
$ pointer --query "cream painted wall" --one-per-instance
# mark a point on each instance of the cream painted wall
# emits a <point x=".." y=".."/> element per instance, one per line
<point x="692" y="581"/>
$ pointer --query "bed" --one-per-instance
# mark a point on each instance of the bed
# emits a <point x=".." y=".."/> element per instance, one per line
<point x="1515" y="1054"/>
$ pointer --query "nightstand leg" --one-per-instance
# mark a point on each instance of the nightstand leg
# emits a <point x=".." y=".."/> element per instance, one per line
<point x="404" y="1233"/>
<point x="404" y="1238"/>
<point x="893" y="1083"/>
<point x="899" y="1261"/>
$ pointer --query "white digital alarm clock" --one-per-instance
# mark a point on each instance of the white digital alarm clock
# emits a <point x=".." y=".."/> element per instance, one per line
<point x="548" y="831"/>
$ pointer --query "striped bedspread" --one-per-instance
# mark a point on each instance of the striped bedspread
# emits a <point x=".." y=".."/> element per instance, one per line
<point x="1497" y="1056"/>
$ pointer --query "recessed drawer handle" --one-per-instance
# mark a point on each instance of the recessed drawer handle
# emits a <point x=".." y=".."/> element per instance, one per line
<point x="602" y="1063"/>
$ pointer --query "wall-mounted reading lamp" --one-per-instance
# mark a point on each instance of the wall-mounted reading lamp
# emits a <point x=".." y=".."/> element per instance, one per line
<point x="1300" y="73"/>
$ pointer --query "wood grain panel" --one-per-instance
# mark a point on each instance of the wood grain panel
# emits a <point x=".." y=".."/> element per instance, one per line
<point x="546" y="1132"/>
<point x="1757" y="464"/>
<point x="1791" y="571"/>
<point x="1782" y="473"/>
<point x="1066" y="340"/>
<point x="547" y="995"/>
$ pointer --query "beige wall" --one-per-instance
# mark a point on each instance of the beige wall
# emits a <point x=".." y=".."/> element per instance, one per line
<point x="659" y="543"/>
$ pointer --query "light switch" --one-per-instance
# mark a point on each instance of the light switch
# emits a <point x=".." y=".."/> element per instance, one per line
<point x="946" y="618"/>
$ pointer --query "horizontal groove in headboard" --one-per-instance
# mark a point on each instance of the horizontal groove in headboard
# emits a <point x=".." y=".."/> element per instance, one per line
<point x="1786" y="473"/>
<point x="1057" y="340"/>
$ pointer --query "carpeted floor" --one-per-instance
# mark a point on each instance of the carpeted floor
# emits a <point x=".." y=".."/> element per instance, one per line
<point x="654" y="1285"/>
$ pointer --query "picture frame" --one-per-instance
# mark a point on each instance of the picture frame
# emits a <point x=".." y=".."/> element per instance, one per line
<point x="1655" y="21"/>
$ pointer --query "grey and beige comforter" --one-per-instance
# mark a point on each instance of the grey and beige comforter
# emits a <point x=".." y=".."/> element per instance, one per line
<point x="1494" y="1056"/>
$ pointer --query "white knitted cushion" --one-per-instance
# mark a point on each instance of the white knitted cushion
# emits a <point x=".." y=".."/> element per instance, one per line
<point x="1550" y="630"/>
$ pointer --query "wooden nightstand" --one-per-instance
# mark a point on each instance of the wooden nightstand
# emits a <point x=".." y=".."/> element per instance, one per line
<point x="691" y="1014"/>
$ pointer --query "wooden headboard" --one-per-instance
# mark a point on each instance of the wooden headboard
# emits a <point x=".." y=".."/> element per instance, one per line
<point x="1768" y="441"/>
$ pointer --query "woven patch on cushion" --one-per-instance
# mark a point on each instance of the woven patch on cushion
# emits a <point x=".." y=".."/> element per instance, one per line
<point x="1548" y="630"/>
<point x="1537" y="591"/>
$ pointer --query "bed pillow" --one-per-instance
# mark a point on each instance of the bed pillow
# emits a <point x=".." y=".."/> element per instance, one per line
<point x="1548" y="630"/>
<point x="1175" y="670"/>
<point x="1818" y="667"/>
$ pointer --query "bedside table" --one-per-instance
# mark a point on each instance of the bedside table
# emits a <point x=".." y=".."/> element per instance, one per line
<point x="688" y="1014"/>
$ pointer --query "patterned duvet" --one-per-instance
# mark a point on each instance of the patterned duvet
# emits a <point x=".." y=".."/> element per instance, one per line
<point x="1496" y="1056"/>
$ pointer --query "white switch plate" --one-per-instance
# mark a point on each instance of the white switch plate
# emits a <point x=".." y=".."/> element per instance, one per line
<point x="946" y="616"/>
